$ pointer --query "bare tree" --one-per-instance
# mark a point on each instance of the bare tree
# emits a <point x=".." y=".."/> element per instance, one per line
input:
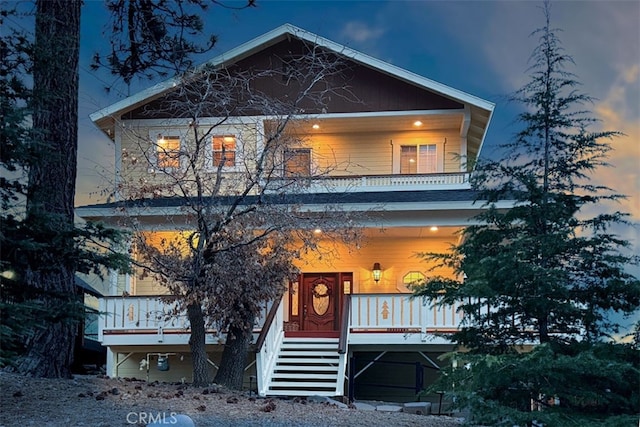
<point x="246" y="227"/>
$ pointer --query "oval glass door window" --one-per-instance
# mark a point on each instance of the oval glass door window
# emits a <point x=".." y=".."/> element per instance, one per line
<point x="320" y="298"/>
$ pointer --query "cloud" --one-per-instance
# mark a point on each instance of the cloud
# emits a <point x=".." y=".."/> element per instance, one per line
<point x="619" y="111"/>
<point x="361" y="32"/>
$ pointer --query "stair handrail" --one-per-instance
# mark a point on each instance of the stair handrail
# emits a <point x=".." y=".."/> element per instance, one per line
<point x="267" y="325"/>
<point x="344" y="325"/>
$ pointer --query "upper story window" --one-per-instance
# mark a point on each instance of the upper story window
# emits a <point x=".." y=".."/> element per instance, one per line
<point x="418" y="159"/>
<point x="224" y="150"/>
<point x="297" y="162"/>
<point x="168" y="151"/>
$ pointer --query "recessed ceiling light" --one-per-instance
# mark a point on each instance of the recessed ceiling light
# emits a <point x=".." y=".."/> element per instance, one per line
<point x="434" y="228"/>
<point x="317" y="231"/>
<point x="417" y="123"/>
<point x="316" y="126"/>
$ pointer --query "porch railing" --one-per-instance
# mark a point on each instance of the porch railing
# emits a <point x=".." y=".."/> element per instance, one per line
<point x="149" y="312"/>
<point x="371" y="312"/>
<point x="267" y="346"/>
<point x="401" y="312"/>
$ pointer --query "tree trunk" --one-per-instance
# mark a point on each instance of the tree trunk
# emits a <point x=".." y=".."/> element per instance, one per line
<point x="543" y="329"/>
<point x="51" y="190"/>
<point x="234" y="358"/>
<point x="198" y="347"/>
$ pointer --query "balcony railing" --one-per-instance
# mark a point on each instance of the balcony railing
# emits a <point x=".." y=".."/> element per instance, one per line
<point x="370" y="183"/>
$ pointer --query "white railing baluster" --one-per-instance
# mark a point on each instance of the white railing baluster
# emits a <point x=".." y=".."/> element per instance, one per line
<point x="399" y="311"/>
<point x="364" y="183"/>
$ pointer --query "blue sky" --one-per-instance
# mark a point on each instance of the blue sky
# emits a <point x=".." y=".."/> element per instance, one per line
<point x="480" y="47"/>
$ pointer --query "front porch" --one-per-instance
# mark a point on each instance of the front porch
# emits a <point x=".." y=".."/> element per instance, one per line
<point x="286" y="363"/>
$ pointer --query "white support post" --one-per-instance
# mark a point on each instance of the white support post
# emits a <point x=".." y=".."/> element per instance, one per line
<point x="111" y="363"/>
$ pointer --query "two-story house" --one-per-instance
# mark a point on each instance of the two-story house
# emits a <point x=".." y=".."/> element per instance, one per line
<point x="407" y="144"/>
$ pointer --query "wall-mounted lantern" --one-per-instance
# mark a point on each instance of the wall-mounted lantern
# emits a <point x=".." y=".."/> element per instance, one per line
<point x="377" y="272"/>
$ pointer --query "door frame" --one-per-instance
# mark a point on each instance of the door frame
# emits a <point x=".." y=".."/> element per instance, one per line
<point x="297" y="297"/>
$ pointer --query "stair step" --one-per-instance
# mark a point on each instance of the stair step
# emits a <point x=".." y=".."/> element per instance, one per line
<point x="301" y="393"/>
<point x="303" y="385"/>
<point x="305" y="368"/>
<point x="306" y="375"/>
<point x="314" y="354"/>
<point x="305" y="361"/>
<point x="310" y="340"/>
<point x="310" y="346"/>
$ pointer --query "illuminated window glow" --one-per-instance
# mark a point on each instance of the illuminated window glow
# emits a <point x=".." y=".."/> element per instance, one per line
<point x="418" y="159"/>
<point x="412" y="278"/>
<point x="168" y="152"/>
<point x="224" y="150"/>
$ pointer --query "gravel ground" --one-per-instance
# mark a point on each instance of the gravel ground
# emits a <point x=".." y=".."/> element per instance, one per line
<point x="104" y="402"/>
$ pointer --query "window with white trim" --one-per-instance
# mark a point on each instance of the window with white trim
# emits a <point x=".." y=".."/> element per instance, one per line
<point x="167" y="151"/>
<point x="421" y="158"/>
<point x="224" y="149"/>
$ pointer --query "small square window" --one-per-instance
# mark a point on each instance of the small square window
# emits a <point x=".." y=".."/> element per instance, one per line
<point x="224" y="150"/>
<point x="168" y="152"/>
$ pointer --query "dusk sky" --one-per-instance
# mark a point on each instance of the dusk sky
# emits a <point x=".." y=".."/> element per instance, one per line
<point x="479" y="47"/>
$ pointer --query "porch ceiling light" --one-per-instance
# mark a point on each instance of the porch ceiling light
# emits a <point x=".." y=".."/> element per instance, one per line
<point x="433" y="228"/>
<point x="377" y="272"/>
<point x="417" y="123"/>
<point x="316" y="126"/>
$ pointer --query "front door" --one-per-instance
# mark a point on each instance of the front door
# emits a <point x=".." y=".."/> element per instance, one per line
<point x="320" y="303"/>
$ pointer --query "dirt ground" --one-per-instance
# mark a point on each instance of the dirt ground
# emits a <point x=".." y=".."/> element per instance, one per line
<point x="98" y="401"/>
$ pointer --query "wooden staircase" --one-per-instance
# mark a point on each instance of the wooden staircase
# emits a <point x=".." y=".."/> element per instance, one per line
<point x="308" y="367"/>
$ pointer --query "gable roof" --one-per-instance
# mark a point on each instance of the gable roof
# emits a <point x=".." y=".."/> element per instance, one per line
<point x="104" y="117"/>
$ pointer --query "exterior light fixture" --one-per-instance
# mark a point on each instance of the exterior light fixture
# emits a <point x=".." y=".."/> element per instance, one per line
<point x="316" y="126"/>
<point x="417" y="123"/>
<point x="377" y="272"/>
<point x="433" y="228"/>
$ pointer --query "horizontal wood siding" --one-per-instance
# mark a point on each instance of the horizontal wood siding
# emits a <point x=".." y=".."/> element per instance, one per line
<point x="373" y="153"/>
<point x="397" y="257"/>
<point x="139" y="166"/>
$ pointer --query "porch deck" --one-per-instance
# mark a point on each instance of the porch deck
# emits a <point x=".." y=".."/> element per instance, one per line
<point x="373" y="318"/>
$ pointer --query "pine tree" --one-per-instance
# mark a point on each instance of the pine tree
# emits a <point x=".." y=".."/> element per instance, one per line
<point x="40" y="246"/>
<point x="545" y="270"/>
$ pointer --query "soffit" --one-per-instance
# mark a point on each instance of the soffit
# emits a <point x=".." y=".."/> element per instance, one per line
<point x="380" y="123"/>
